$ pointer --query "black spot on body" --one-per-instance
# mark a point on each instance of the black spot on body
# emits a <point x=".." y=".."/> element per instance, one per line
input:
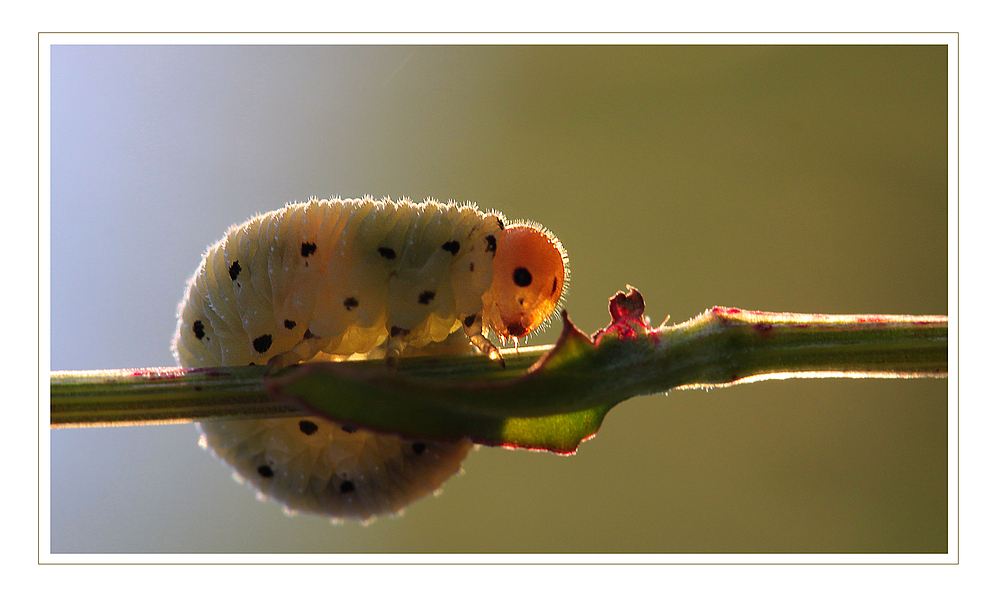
<point x="265" y="471"/>
<point x="308" y="248"/>
<point x="350" y="303"/>
<point x="347" y="428"/>
<point x="491" y="244"/>
<point x="469" y="321"/>
<point x="308" y="335"/>
<point x="290" y="324"/>
<point x="387" y="252"/>
<point x="555" y="284"/>
<point x="452" y="247"/>
<point x="235" y="269"/>
<point x="419" y="447"/>
<point x="425" y="297"/>
<point x="396" y="331"/>
<point x="308" y="427"/>
<point x="199" y="329"/>
<point x="346" y="487"/>
<point x="522" y="277"/>
<point x="472" y="266"/>
<point x="262" y="343"/>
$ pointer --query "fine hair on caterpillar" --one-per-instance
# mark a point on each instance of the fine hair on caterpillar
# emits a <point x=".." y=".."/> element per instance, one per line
<point x="328" y="279"/>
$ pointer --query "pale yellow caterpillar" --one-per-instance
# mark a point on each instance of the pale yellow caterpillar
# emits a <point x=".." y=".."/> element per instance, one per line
<point x="328" y="279"/>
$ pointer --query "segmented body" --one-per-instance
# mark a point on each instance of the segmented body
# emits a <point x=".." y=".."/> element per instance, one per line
<point x="333" y="278"/>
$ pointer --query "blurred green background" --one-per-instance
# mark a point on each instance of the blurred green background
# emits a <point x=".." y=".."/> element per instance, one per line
<point x="779" y="178"/>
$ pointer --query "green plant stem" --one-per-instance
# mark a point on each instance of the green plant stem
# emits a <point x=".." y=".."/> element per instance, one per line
<point x="146" y="396"/>
<point x="722" y="346"/>
<point x="159" y="396"/>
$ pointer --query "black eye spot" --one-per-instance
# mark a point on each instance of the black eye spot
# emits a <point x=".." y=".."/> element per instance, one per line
<point x="387" y="252"/>
<point x="452" y="247"/>
<point x="308" y="248"/>
<point x="425" y="297"/>
<point x="347" y="428"/>
<point x="522" y="277"/>
<point x="419" y="447"/>
<point x="350" y="303"/>
<point x="265" y="471"/>
<point x="491" y="244"/>
<point x="262" y="343"/>
<point x="308" y="427"/>
<point x="469" y="321"/>
<point x="199" y="329"/>
<point x="396" y="331"/>
<point x="235" y="269"/>
<point x="289" y="324"/>
<point x="555" y="284"/>
<point x="346" y="487"/>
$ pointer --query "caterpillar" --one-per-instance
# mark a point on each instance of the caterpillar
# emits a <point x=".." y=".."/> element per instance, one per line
<point x="332" y="279"/>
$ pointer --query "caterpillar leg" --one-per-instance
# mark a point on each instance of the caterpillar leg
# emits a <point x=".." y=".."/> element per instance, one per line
<point x="304" y="351"/>
<point x="473" y="326"/>
<point x="394" y="345"/>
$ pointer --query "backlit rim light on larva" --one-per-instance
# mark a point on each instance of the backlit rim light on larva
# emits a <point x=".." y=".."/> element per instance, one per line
<point x="518" y="238"/>
<point x="334" y="279"/>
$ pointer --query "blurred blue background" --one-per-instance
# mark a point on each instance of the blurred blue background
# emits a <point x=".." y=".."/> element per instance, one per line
<point x="779" y="178"/>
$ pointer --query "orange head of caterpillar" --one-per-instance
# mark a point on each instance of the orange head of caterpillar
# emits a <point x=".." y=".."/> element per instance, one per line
<point x="529" y="277"/>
